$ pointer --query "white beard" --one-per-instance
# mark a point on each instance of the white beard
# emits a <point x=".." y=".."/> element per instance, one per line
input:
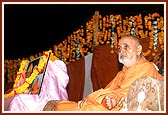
<point x="124" y="59"/>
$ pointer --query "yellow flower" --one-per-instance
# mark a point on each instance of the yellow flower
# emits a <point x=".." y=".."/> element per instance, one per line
<point x="22" y="88"/>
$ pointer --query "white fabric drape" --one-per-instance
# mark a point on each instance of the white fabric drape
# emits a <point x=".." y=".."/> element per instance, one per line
<point x="88" y="88"/>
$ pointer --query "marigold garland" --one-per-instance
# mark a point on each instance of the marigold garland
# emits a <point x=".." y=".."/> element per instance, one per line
<point x="21" y="70"/>
<point x="22" y="88"/>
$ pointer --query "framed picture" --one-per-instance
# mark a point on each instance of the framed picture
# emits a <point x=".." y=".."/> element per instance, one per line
<point x="36" y="85"/>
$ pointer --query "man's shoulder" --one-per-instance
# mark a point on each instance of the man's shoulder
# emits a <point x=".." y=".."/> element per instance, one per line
<point x="146" y="63"/>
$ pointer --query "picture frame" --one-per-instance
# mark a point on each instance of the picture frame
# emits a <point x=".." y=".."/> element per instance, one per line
<point x="35" y="86"/>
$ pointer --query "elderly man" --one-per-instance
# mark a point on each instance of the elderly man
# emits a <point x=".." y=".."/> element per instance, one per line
<point x="113" y="95"/>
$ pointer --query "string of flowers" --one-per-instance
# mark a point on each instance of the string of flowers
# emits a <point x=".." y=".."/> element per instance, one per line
<point x="21" y="71"/>
<point x="150" y="26"/>
<point x="20" y="89"/>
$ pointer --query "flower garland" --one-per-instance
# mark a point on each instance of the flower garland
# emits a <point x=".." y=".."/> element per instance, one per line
<point x="25" y="85"/>
<point x="21" y="71"/>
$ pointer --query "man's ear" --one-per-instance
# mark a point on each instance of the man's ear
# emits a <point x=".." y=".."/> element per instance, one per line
<point x="139" y="49"/>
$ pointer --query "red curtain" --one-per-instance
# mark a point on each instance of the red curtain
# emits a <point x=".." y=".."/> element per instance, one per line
<point x="105" y="66"/>
<point x="76" y="72"/>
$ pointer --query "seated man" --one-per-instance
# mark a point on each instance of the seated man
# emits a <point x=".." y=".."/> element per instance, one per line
<point x="53" y="88"/>
<point x="112" y="97"/>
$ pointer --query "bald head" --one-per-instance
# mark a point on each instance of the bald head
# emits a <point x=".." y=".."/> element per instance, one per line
<point x="131" y="38"/>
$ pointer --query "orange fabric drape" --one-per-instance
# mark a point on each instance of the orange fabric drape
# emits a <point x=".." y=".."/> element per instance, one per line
<point x="76" y="72"/>
<point x="105" y="66"/>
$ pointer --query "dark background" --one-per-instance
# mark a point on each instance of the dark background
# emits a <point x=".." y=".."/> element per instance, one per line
<point x="33" y="28"/>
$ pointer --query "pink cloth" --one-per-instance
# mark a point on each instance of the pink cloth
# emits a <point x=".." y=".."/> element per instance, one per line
<point x="53" y="88"/>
